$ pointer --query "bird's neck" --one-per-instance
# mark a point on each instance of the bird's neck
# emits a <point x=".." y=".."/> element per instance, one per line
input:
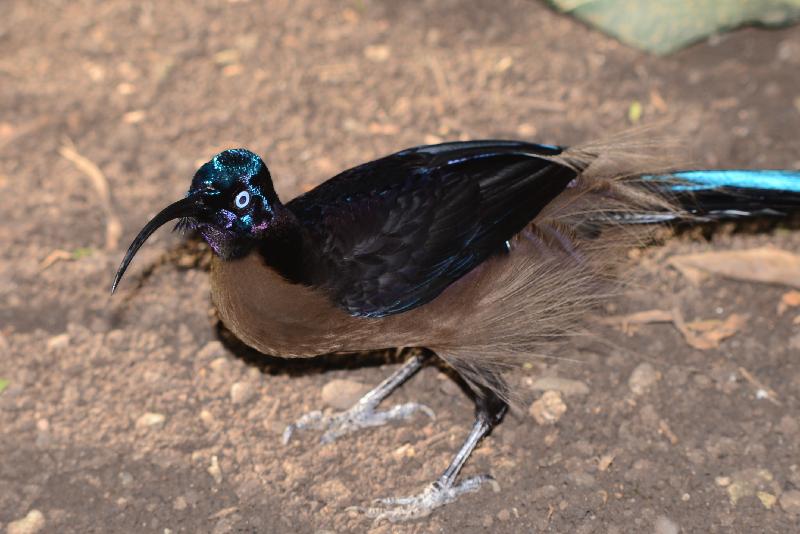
<point x="284" y="246"/>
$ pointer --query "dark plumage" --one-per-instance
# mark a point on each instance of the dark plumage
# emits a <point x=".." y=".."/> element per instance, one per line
<point x="483" y="252"/>
<point x="390" y="235"/>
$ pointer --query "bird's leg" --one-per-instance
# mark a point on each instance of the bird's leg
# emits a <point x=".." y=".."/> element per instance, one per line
<point x="490" y="409"/>
<point x="363" y="414"/>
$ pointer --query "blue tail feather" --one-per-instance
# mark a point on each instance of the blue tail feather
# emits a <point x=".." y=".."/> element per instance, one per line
<point x="728" y="194"/>
<point x="763" y="180"/>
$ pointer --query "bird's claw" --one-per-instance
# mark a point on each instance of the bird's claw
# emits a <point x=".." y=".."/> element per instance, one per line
<point x="397" y="509"/>
<point x="358" y="417"/>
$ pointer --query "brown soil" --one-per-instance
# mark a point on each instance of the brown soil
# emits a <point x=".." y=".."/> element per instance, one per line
<point x="148" y="90"/>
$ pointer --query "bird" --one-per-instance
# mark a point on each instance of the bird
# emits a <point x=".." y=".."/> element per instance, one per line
<point x="479" y="253"/>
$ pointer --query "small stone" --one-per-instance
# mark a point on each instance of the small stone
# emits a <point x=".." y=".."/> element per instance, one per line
<point x="126" y="479"/>
<point x="241" y="392"/>
<point x="488" y="521"/>
<point x="43" y="440"/>
<point x="642" y="378"/>
<point x="58" y="342"/>
<point x="219" y="365"/>
<point x="211" y="351"/>
<point x="665" y="525"/>
<point x="332" y="491"/>
<point x="562" y="385"/>
<point x="449" y="387"/>
<point x="548" y="409"/>
<point x="544" y="492"/>
<point x="581" y="478"/>
<point x="790" y="502"/>
<point x="404" y="451"/>
<point x="342" y="394"/>
<point x="788" y="426"/>
<point x="767" y="499"/>
<point x="180" y="504"/>
<point x="788" y="51"/>
<point x="751" y="482"/>
<point x="605" y="462"/>
<point x="151" y="420"/>
<point x="377" y="53"/>
<point x="504" y="515"/>
<point x="527" y="130"/>
<point x="30" y="524"/>
<point x="214" y="470"/>
<point x="207" y="418"/>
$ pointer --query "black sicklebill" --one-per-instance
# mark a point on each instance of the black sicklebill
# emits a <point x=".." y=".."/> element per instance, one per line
<point x="481" y="252"/>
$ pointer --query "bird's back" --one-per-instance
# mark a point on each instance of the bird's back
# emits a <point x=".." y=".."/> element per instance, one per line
<point x="392" y="234"/>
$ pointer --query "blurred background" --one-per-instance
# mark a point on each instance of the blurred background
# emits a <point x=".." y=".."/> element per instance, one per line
<point x="133" y="417"/>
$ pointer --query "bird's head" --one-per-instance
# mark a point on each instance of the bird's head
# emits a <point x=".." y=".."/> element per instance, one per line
<point x="231" y="202"/>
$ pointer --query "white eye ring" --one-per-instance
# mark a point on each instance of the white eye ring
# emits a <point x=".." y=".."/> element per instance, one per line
<point x="242" y="199"/>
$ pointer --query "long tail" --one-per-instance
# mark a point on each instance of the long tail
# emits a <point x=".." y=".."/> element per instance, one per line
<point x="713" y="195"/>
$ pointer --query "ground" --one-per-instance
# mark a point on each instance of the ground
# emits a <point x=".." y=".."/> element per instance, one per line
<point x="130" y="415"/>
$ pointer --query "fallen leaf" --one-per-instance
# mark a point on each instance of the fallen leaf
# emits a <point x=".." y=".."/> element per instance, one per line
<point x="695" y="276"/>
<point x="224" y="512"/>
<point x="3" y="384"/>
<point x="55" y="256"/>
<point x="767" y="264"/>
<point x="626" y="322"/>
<point x="101" y="186"/>
<point x="790" y="299"/>
<point x="704" y="335"/>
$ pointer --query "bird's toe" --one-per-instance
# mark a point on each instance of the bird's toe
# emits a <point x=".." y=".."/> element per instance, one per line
<point x="436" y="495"/>
<point x="356" y="418"/>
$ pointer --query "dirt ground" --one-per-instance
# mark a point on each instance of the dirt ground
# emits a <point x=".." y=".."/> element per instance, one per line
<point x="130" y="415"/>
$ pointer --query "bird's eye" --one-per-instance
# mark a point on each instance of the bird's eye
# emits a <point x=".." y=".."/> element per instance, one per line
<point x="242" y="199"/>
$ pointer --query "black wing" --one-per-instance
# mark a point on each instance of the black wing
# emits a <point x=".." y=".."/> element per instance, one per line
<point x="394" y="233"/>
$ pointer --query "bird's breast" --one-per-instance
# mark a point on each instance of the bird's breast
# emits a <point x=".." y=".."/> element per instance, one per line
<point x="281" y="318"/>
<point x="484" y="308"/>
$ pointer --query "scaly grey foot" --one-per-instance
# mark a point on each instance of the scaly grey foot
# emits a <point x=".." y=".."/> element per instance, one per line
<point x="361" y="415"/>
<point x="441" y="492"/>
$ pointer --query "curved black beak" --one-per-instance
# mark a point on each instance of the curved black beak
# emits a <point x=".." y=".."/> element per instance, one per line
<point x="187" y="207"/>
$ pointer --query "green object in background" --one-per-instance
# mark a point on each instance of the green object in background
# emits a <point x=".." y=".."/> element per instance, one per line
<point x="663" y="26"/>
<point x="3" y="384"/>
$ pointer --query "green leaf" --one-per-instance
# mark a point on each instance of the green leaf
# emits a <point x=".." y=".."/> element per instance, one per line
<point x="3" y="384"/>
